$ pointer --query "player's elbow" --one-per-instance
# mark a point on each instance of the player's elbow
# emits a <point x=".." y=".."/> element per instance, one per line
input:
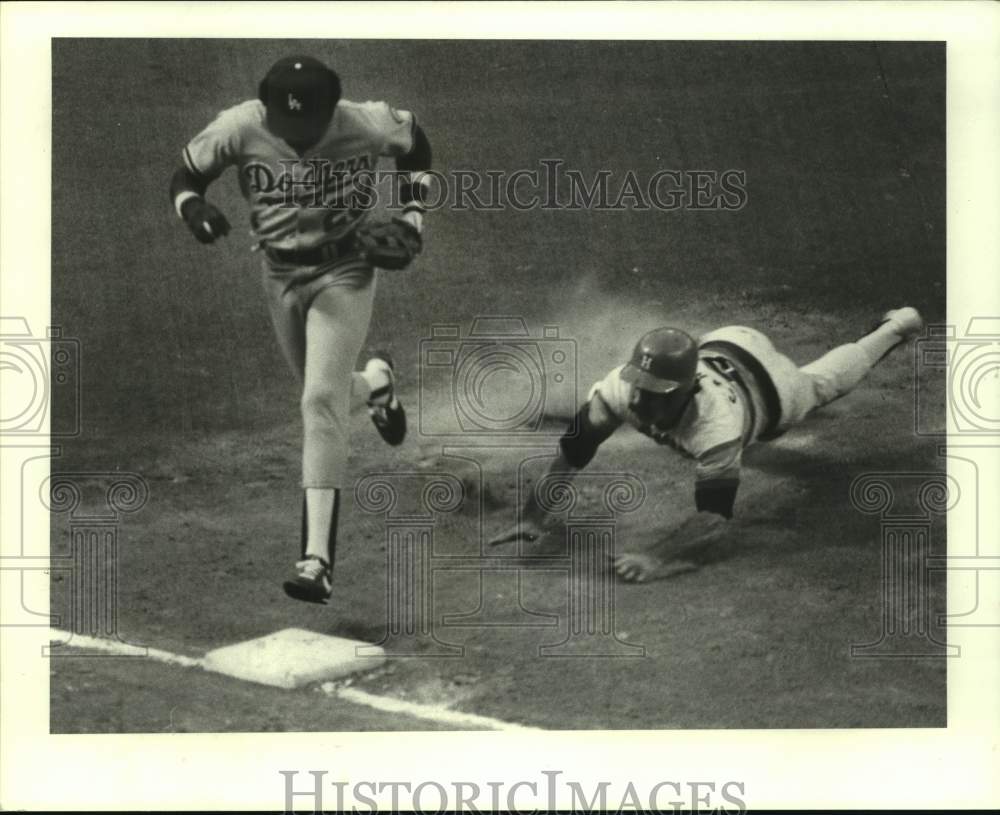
<point x="183" y="180"/>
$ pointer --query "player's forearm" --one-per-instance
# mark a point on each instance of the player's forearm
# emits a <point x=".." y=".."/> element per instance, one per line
<point x="701" y="528"/>
<point x="187" y="190"/>
<point x="577" y="447"/>
<point x="185" y="186"/>
<point x="701" y="538"/>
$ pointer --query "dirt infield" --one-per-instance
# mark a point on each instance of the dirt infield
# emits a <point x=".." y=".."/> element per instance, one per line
<point x="843" y="150"/>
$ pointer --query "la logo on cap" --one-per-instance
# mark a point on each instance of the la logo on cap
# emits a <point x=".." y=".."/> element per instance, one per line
<point x="293" y="103"/>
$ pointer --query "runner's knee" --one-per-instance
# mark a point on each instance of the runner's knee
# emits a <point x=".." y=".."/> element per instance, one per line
<point x="320" y="401"/>
<point x="838" y="372"/>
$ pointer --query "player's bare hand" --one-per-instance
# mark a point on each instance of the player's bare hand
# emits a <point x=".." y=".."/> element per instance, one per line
<point x="638" y="567"/>
<point x="635" y="567"/>
<point x="205" y="221"/>
<point x="528" y="531"/>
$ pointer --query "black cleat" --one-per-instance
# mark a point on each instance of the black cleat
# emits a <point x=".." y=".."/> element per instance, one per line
<point x="312" y="583"/>
<point x="387" y="413"/>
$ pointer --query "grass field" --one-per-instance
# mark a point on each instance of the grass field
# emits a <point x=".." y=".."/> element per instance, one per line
<point x="844" y="154"/>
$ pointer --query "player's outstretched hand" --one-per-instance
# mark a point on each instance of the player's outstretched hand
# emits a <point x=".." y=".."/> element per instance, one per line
<point x="638" y="567"/>
<point x="205" y="221"/>
<point x="527" y="530"/>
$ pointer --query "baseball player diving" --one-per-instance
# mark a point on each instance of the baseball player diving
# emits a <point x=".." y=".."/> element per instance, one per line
<point x="302" y="155"/>
<point x="708" y="400"/>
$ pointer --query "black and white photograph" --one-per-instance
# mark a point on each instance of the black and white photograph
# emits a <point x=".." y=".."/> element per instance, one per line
<point x="548" y="385"/>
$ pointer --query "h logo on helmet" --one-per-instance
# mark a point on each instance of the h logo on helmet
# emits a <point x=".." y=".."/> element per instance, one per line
<point x="647" y="362"/>
<point x="293" y="103"/>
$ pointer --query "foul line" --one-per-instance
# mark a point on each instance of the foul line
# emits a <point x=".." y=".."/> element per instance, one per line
<point x="434" y="713"/>
<point x="387" y="704"/>
<point x="118" y="648"/>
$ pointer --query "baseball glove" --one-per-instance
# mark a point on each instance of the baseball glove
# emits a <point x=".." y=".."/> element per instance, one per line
<point x="205" y="221"/>
<point x="389" y="244"/>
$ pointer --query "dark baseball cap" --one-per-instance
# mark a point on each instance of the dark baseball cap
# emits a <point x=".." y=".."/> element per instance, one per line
<point x="300" y="94"/>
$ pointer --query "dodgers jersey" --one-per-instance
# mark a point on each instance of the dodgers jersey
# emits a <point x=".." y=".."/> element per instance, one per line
<point x="300" y="202"/>
<point x="713" y="430"/>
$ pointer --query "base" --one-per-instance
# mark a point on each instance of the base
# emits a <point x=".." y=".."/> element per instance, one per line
<point x="294" y="657"/>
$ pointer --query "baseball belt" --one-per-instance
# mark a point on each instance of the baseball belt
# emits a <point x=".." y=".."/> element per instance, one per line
<point x="727" y="370"/>
<point x="722" y="363"/>
<point x="316" y="255"/>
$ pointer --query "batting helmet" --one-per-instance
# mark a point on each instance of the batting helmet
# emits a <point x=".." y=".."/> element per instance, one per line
<point x="300" y="94"/>
<point x="663" y="361"/>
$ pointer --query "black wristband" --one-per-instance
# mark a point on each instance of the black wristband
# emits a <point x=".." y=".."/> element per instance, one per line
<point x="579" y="447"/>
<point x="412" y="194"/>
<point x="420" y="155"/>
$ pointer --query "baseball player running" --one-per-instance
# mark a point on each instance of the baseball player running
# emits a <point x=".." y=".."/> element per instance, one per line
<point x="709" y="400"/>
<point x="303" y="156"/>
